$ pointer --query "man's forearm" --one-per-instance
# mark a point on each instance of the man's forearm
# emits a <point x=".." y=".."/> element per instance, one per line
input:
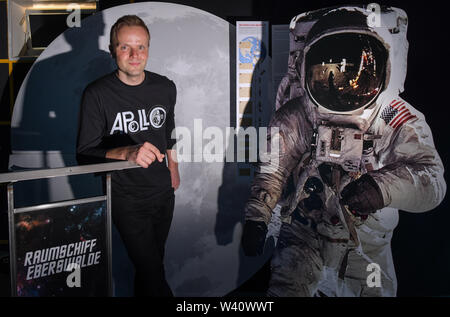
<point x="172" y="162"/>
<point x="121" y="153"/>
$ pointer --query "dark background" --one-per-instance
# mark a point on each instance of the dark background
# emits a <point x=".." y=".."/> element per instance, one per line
<point x="420" y="245"/>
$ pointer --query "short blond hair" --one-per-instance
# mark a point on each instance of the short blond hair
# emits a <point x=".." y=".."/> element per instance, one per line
<point x="126" y="20"/>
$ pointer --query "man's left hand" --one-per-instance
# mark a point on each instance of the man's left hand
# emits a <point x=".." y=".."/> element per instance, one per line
<point x="172" y="164"/>
<point x="362" y="196"/>
<point x="175" y="177"/>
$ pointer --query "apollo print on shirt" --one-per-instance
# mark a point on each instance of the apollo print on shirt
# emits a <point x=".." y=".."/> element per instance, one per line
<point x="131" y="122"/>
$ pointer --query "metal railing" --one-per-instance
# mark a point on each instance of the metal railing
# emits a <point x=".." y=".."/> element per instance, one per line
<point x="13" y="177"/>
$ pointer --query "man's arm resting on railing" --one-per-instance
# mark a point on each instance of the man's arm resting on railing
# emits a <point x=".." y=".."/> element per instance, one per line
<point x="142" y="154"/>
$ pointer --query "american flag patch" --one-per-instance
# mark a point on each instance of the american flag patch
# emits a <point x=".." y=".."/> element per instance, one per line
<point x="396" y="114"/>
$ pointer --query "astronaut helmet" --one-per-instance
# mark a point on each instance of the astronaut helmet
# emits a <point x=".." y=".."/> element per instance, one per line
<point x="345" y="72"/>
<point x="346" y="60"/>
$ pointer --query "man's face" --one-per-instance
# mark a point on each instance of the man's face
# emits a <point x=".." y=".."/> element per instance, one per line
<point x="132" y="51"/>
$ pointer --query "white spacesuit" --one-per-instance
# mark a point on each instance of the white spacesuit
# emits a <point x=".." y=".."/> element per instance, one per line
<point x="355" y="151"/>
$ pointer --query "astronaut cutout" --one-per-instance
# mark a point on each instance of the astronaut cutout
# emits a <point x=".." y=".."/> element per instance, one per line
<point x="354" y="151"/>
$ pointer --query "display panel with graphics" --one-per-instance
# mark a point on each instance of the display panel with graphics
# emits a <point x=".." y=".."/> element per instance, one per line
<point x="61" y="250"/>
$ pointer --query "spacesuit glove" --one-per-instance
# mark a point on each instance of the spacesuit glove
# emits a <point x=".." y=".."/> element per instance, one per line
<point x="362" y="196"/>
<point x="253" y="237"/>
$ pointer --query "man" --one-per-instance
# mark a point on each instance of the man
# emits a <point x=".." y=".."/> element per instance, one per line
<point x="129" y="115"/>
<point x="355" y="153"/>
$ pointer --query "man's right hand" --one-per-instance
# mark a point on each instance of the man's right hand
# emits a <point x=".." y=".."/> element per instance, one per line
<point x="145" y="154"/>
<point x="254" y="237"/>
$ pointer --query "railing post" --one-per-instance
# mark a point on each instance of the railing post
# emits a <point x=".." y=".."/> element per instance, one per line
<point x="12" y="239"/>
<point x="108" y="232"/>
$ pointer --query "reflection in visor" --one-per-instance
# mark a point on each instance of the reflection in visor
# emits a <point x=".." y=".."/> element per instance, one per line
<point x="345" y="72"/>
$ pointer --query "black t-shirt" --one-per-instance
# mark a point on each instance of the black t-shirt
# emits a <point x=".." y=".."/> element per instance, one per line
<point x="114" y="114"/>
